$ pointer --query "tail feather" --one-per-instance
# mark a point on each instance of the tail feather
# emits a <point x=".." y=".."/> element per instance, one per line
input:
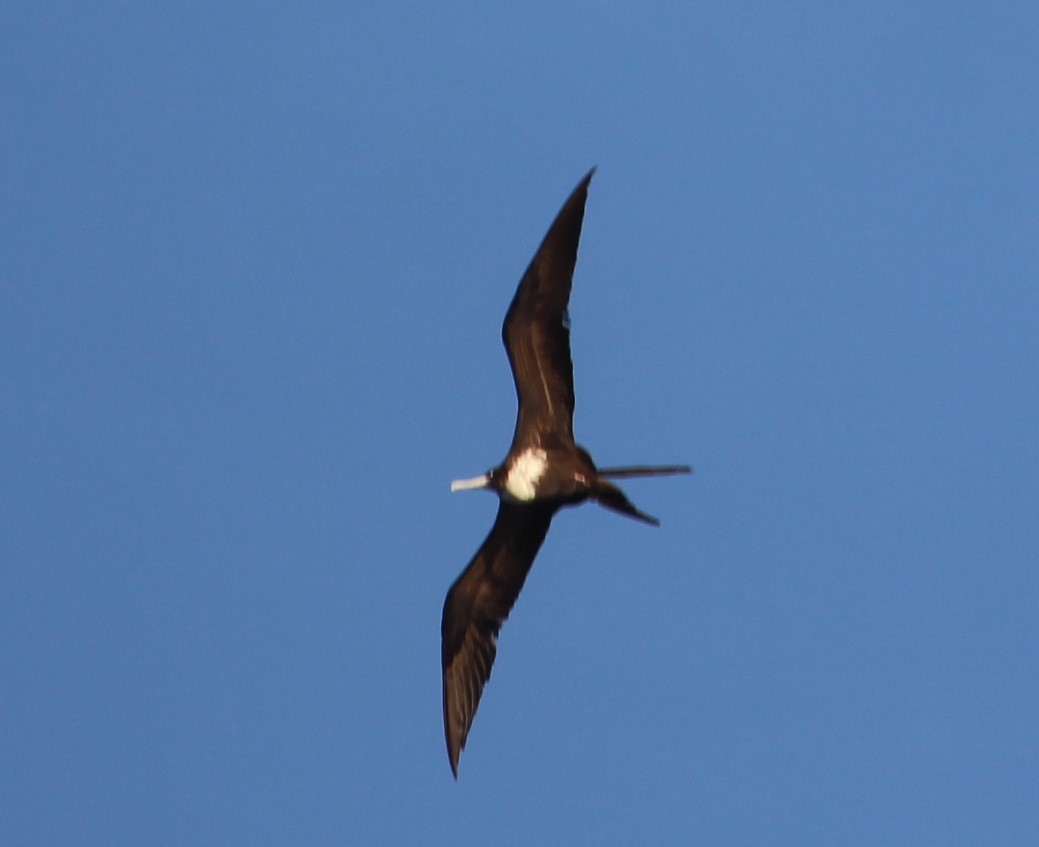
<point x="610" y="496"/>
<point x="644" y="470"/>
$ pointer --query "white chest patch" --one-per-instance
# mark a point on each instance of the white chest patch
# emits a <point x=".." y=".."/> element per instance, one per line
<point x="529" y="467"/>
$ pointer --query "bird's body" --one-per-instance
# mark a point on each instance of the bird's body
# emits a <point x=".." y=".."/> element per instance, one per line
<point x="543" y="471"/>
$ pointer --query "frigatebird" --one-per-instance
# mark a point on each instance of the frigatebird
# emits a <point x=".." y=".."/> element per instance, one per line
<point x="543" y="471"/>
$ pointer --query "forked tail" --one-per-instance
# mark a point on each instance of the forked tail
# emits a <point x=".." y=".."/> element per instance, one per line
<point x="610" y="496"/>
<point x="644" y="470"/>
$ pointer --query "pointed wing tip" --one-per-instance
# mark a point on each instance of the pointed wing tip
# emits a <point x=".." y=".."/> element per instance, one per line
<point x="454" y="753"/>
<point x="454" y="742"/>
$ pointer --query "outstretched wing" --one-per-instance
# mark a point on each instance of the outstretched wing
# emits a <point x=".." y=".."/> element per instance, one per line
<point x="536" y="331"/>
<point x="476" y="607"/>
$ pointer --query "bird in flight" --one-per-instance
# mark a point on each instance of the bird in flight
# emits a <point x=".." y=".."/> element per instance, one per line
<point x="543" y="471"/>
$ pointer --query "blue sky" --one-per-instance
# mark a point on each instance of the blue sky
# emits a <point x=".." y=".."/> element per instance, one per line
<point x="254" y="260"/>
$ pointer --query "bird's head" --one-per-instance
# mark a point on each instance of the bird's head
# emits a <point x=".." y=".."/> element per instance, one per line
<point x="486" y="480"/>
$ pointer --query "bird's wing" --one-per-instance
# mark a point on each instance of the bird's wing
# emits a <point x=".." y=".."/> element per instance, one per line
<point x="536" y="331"/>
<point x="476" y="607"/>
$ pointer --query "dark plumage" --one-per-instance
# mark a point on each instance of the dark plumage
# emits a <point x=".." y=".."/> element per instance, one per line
<point x="543" y="471"/>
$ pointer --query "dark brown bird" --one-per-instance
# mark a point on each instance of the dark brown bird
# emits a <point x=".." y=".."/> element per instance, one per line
<point x="543" y="471"/>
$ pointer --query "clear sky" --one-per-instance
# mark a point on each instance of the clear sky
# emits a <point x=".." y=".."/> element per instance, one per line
<point x="253" y="264"/>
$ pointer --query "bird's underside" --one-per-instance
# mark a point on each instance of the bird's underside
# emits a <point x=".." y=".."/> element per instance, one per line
<point x="534" y="481"/>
